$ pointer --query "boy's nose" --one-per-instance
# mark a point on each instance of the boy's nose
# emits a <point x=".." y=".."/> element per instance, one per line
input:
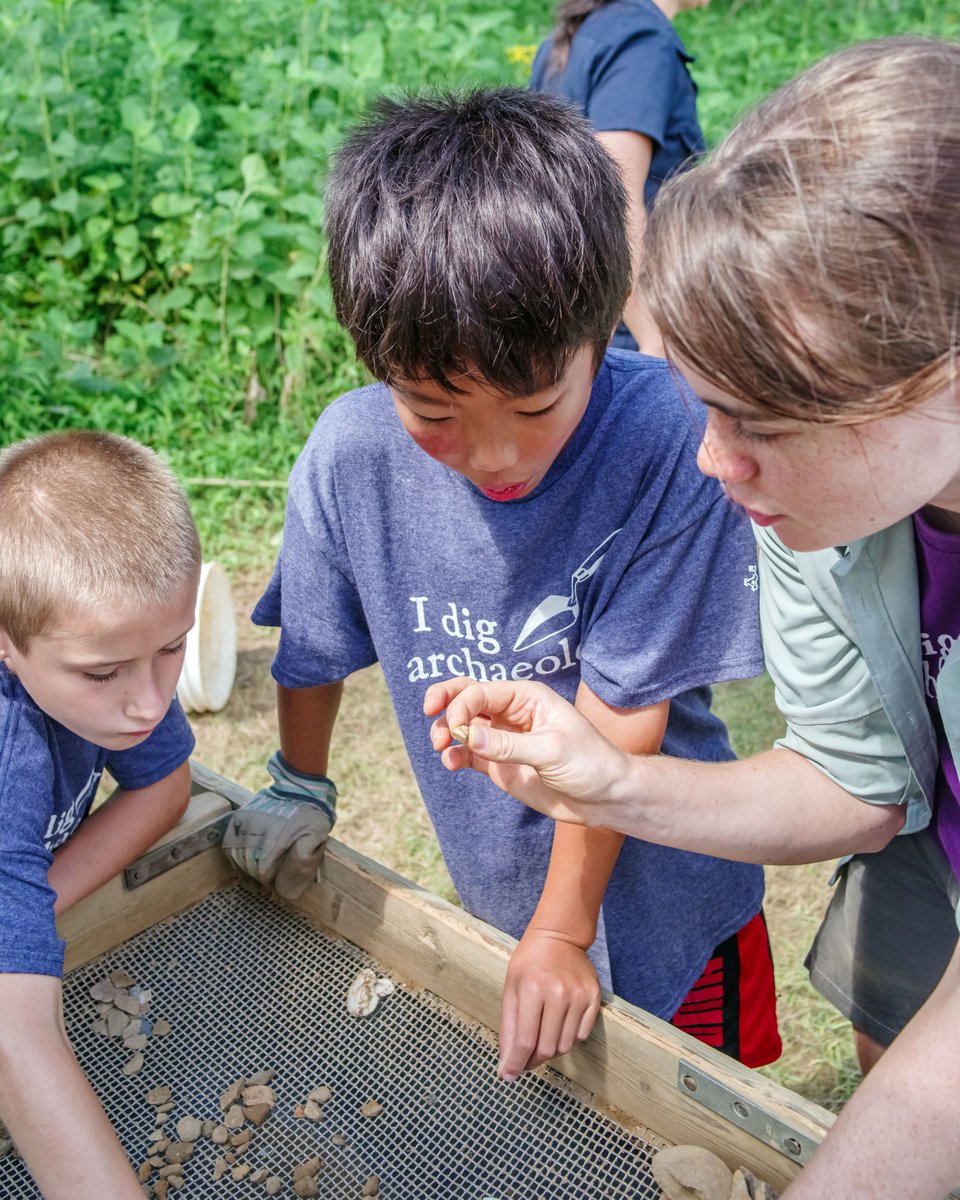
<point x="492" y="454"/>
<point x="145" y="702"/>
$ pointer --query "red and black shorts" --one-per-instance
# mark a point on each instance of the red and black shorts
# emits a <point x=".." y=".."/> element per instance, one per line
<point x="733" y="1005"/>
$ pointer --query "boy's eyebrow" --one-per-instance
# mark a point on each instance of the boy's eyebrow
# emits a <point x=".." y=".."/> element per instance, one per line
<point x="120" y="662"/>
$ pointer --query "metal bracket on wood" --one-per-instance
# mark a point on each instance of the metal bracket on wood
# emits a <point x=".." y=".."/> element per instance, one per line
<point x="750" y="1116"/>
<point x="171" y="854"/>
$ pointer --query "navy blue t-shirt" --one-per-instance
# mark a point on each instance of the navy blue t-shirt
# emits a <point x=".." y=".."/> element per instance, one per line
<point x="48" y="779"/>
<point x="624" y="567"/>
<point x="627" y="69"/>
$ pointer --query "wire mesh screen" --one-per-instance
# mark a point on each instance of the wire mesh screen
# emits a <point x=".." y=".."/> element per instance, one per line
<point x="247" y="985"/>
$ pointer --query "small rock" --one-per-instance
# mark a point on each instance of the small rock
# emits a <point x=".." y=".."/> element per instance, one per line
<point x="135" y="1026"/>
<point x="121" y="979"/>
<point x="233" y="1118"/>
<point x="155" y="1135"/>
<point x="691" y="1173"/>
<point x="116" y="1022"/>
<point x="142" y="995"/>
<point x="312" y="1166"/>
<point x="161" y="1187"/>
<point x="178" y="1152"/>
<point x="746" y="1186"/>
<point x="159" y="1095"/>
<point x="298" y="1111"/>
<point x="137" y="1042"/>
<point x="241" y="1171"/>
<point x="384" y="987"/>
<point x="220" y="1135"/>
<point x="144" y="1171"/>
<point x="307" y="1187"/>
<point x="165" y="1107"/>
<point x="161" y="1118"/>
<point x="133" y="1065"/>
<point x="371" y="1187"/>
<point x="261" y="1077"/>
<point x="160" y="1146"/>
<point x="312" y="1110"/>
<point x="321" y="1094"/>
<point x="103" y="990"/>
<point x="208" y="1127"/>
<point x="219" y="1167"/>
<point x="171" y="1169"/>
<point x="372" y="1108"/>
<point x="338" y="1139"/>
<point x="258" y="1093"/>
<point x="189" y="1129"/>
<point x="256" y="1114"/>
<point x="241" y="1137"/>
<point x="259" y="1175"/>
<point x="127" y="1004"/>
<point x="156" y="1161"/>
<point x="272" y="1185"/>
<point x="175" y="1181"/>
<point x="100" y="1028"/>
<point x="161" y="1028"/>
<point x="229" y="1098"/>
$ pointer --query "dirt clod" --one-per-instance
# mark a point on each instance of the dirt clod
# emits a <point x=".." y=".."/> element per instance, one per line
<point x="371" y="1108"/>
<point x="133" y="1065"/>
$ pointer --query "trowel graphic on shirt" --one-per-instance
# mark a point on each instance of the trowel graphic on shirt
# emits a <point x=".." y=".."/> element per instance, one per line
<point x="557" y="613"/>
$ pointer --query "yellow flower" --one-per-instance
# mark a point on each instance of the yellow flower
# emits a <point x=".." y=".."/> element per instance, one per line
<point x="521" y="54"/>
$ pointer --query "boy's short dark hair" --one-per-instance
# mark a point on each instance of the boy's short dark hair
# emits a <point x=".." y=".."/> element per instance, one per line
<point x="480" y="231"/>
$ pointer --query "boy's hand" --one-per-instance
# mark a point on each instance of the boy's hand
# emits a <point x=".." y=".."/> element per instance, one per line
<point x="550" y="1000"/>
<point x="279" y="835"/>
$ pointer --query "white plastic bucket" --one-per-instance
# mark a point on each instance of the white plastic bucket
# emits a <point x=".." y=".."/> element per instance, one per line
<point x="210" y="660"/>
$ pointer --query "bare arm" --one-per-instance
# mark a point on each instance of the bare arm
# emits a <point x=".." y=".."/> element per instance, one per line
<point x="897" y="1136"/>
<point x="552" y="995"/>
<point x="126" y="825"/>
<point x="632" y="153"/>
<point x="307" y="717"/>
<point x="48" y="1104"/>
<point x="773" y="808"/>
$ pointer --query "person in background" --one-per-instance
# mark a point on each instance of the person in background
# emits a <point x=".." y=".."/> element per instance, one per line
<point x="807" y="281"/>
<point x="623" y="64"/>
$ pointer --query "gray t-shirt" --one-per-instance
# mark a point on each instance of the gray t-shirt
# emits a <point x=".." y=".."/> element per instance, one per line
<point x="624" y="567"/>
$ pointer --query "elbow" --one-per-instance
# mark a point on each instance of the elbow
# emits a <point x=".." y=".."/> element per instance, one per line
<point x="887" y="821"/>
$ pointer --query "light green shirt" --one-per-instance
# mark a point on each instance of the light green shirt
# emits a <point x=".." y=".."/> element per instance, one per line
<point x="841" y="636"/>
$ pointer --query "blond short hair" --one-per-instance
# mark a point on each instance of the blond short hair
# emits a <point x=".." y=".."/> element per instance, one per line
<point x="811" y="265"/>
<point x="88" y="519"/>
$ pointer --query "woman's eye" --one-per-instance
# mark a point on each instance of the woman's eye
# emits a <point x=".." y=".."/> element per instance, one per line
<point x="753" y="435"/>
<point x="177" y="649"/>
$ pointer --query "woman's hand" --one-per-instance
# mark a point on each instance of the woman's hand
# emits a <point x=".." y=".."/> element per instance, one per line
<point x="530" y="742"/>
<point x="550" y="1000"/>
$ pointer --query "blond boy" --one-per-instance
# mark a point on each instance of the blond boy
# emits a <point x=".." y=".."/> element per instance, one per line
<point x="99" y="560"/>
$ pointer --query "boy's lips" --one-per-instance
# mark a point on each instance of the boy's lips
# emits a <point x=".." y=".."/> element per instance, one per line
<point x="509" y="492"/>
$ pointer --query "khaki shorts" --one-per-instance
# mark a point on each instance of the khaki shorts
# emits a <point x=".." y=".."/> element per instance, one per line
<point x="888" y="934"/>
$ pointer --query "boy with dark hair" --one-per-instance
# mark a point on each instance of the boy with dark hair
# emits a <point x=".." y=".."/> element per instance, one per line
<point x="99" y="561"/>
<point x="510" y="502"/>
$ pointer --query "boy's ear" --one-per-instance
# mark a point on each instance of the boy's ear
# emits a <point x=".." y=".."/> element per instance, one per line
<point x="5" y="648"/>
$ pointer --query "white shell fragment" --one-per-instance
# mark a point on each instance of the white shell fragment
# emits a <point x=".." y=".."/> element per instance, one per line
<point x="366" y="990"/>
<point x="362" y="998"/>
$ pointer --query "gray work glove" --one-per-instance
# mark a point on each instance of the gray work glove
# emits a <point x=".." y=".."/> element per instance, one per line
<point x="279" y="835"/>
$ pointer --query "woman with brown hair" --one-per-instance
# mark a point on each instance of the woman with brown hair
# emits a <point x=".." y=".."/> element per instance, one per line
<point x="807" y="282"/>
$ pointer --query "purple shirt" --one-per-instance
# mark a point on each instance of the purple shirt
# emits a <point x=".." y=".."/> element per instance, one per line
<point x="938" y="567"/>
